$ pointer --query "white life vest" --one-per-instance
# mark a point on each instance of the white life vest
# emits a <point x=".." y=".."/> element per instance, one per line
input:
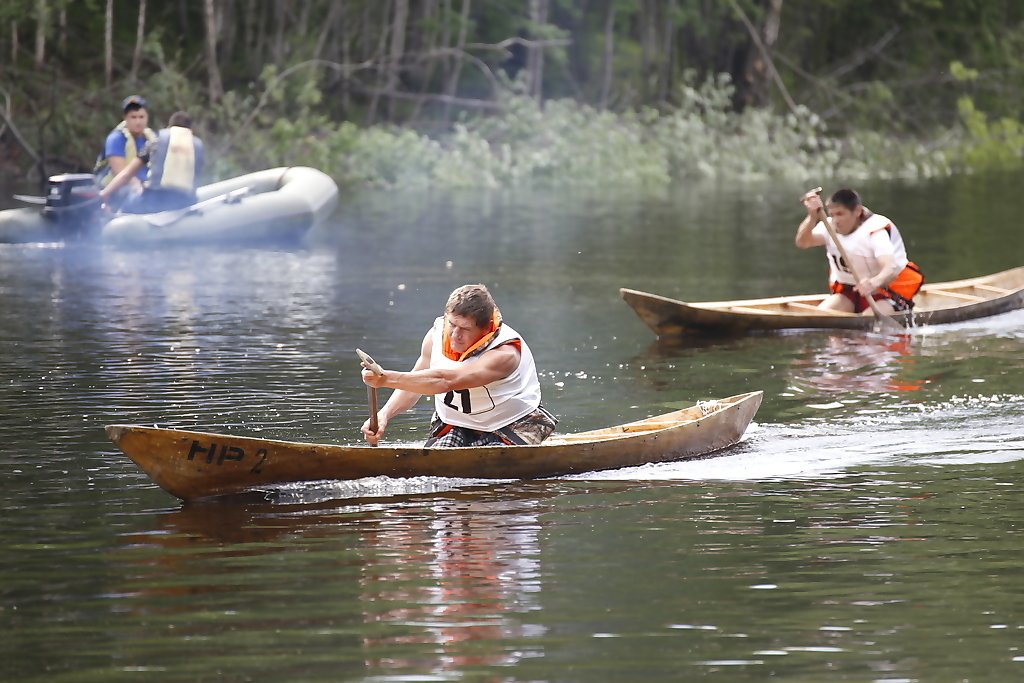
<point x="493" y="405"/>
<point x="173" y="164"/>
<point x="876" y="236"/>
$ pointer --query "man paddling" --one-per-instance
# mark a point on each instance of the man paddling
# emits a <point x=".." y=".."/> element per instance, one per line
<point x="874" y="244"/>
<point x="481" y="374"/>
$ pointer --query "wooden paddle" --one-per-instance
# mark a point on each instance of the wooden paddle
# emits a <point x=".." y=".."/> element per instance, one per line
<point x="883" y="319"/>
<point x="371" y="392"/>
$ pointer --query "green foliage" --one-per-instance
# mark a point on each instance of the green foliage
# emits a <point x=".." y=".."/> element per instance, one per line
<point x="988" y="145"/>
<point x="565" y="143"/>
<point x="875" y="104"/>
<point x="960" y="72"/>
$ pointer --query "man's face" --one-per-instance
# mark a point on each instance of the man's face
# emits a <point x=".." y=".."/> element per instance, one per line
<point x="136" y="120"/>
<point x="844" y="220"/>
<point x="463" y="332"/>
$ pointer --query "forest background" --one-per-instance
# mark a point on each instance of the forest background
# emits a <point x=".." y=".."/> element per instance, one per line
<point x="491" y="93"/>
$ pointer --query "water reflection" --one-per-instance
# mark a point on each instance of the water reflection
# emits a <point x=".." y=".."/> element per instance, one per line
<point x="441" y="581"/>
<point x="837" y="363"/>
<point x="455" y="580"/>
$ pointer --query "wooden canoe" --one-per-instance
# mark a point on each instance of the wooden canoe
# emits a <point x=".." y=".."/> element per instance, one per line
<point x="937" y="303"/>
<point x="193" y="465"/>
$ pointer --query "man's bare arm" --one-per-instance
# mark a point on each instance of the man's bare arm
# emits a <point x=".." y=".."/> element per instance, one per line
<point x="493" y="365"/>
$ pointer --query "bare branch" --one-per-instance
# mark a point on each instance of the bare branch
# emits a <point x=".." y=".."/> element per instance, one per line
<point x="19" y="138"/>
<point x="764" y="53"/>
<point x="864" y="55"/>
<point x="503" y="45"/>
<point x="430" y="97"/>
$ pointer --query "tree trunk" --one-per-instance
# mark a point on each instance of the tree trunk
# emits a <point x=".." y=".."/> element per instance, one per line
<point x="62" y="41"/>
<point x="535" y="54"/>
<point x="346" y="58"/>
<point x="280" y="14"/>
<point x="42" y="20"/>
<point x="427" y="44"/>
<point x="248" y="22"/>
<point x="397" y="52"/>
<point x="212" y="68"/>
<point x="228" y="28"/>
<point x="108" y="43"/>
<point x="453" y="78"/>
<point x="260" y="44"/>
<point x="645" y="46"/>
<point x="446" y="31"/>
<point x="183" y="24"/>
<point x="140" y="35"/>
<point x="371" y="115"/>
<point x="302" y="25"/>
<point x="753" y="83"/>
<point x="14" y="41"/>
<point x="325" y="30"/>
<point x="665" y="68"/>
<point x="608" y="54"/>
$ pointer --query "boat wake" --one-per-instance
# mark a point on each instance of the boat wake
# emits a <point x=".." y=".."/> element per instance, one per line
<point x="962" y="431"/>
<point x="370" y="487"/>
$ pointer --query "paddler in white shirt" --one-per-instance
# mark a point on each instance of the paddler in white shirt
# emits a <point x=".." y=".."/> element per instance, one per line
<point x="875" y="245"/>
<point x="481" y="374"/>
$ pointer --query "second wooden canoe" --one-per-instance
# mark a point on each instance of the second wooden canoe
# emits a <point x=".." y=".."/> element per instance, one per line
<point x="937" y="303"/>
<point x="191" y="464"/>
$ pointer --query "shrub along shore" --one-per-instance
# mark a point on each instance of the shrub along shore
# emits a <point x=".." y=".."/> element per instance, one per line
<point x="565" y="143"/>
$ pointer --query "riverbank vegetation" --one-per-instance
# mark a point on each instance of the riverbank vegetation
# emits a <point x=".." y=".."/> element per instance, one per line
<point x="457" y="93"/>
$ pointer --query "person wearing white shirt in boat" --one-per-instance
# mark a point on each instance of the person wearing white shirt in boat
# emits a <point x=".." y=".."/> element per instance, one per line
<point x="875" y="245"/>
<point x="175" y="161"/>
<point x="481" y="374"/>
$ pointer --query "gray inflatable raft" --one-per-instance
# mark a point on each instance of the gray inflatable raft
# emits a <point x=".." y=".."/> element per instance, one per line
<point x="274" y="205"/>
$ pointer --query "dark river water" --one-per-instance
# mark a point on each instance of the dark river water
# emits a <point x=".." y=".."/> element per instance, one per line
<point x="868" y="528"/>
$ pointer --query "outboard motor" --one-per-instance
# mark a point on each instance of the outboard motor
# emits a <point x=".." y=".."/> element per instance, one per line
<point x="73" y="202"/>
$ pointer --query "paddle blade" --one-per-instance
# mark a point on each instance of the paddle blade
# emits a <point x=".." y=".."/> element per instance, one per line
<point x="888" y="324"/>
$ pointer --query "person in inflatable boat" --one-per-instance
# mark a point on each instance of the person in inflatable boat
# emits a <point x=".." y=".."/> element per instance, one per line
<point x="175" y="160"/>
<point x="123" y="144"/>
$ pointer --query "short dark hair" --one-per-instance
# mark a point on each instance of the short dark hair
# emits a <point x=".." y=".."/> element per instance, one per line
<point x="180" y="118"/>
<point x="474" y="302"/>
<point x="846" y="197"/>
<point x="133" y="103"/>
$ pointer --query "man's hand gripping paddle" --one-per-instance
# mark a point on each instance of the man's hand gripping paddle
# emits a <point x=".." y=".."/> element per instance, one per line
<point x="371" y="392"/>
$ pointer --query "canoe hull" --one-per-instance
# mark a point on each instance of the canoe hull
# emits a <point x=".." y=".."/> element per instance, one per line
<point x="938" y="303"/>
<point x="191" y="464"/>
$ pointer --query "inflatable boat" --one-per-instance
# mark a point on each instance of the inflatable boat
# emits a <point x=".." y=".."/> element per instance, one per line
<point x="274" y="205"/>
